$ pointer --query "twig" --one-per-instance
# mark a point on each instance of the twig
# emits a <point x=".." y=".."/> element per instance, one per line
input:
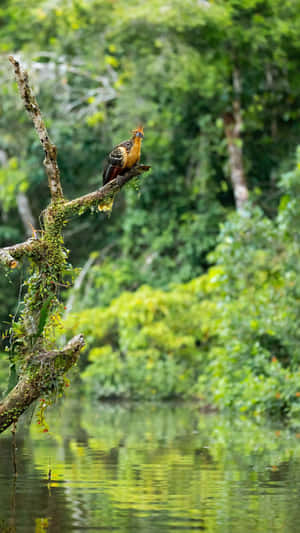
<point x="50" y="161"/>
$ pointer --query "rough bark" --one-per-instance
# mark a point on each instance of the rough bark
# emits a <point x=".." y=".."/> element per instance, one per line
<point x="39" y="367"/>
<point x="233" y="127"/>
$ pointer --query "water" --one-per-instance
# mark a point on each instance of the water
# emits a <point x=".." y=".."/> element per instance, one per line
<point x="149" y="468"/>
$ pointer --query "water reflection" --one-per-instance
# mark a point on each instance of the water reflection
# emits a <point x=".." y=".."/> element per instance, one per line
<point x="149" y="468"/>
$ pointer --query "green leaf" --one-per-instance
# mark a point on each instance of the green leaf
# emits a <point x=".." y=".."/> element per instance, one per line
<point x="43" y="317"/>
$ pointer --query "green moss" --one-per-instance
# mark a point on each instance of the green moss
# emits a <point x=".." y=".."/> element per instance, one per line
<point x="41" y="306"/>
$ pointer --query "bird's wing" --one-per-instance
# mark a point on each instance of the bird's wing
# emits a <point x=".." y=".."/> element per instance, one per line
<point x="116" y="161"/>
<point x="118" y="156"/>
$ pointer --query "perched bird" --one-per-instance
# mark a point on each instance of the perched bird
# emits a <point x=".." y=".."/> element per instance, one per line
<point x="123" y="156"/>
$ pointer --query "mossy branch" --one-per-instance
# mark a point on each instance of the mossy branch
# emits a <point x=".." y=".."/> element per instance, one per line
<point x="10" y="254"/>
<point x="43" y="367"/>
<point x="110" y="189"/>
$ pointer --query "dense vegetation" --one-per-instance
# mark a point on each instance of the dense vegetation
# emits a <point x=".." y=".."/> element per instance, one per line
<point x="185" y="296"/>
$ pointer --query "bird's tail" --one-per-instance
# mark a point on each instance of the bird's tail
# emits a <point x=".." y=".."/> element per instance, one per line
<point x="110" y="172"/>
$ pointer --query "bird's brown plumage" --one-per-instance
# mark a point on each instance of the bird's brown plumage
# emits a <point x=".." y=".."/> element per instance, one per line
<point x="123" y="156"/>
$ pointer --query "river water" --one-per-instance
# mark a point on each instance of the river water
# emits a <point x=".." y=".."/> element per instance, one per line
<point x="149" y="468"/>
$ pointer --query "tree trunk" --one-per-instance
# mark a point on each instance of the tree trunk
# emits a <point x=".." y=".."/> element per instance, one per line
<point x="233" y="127"/>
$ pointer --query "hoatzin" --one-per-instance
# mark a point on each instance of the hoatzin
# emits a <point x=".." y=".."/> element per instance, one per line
<point x="123" y="156"/>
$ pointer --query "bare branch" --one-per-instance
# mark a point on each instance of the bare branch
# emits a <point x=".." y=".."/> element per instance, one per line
<point x="110" y="189"/>
<point x="50" y="161"/>
<point x="31" y="386"/>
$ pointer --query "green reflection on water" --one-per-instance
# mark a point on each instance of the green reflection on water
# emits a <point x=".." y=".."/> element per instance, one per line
<point x="150" y="468"/>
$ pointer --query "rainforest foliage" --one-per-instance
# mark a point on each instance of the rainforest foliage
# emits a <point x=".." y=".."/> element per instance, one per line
<point x="184" y="295"/>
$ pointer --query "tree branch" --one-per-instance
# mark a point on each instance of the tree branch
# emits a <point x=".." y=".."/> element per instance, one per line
<point x="92" y="199"/>
<point x="233" y="123"/>
<point x="36" y="380"/>
<point x="10" y="254"/>
<point x="50" y="161"/>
